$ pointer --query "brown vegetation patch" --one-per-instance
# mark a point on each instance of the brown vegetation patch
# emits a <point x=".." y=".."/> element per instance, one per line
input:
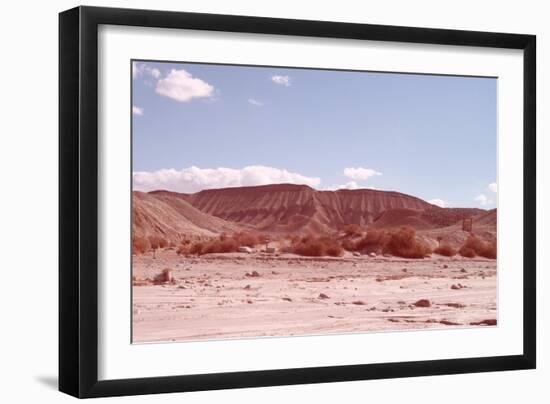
<point x="401" y="243"/>
<point x="445" y="250"/>
<point x="474" y="246"/>
<point x="140" y="245"/>
<point x="311" y="246"/>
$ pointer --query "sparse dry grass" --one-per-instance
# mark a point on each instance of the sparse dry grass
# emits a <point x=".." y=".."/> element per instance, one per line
<point x="158" y="242"/>
<point x="352" y="230"/>
<point x="311" y="246"/>
<point x="223" y="244"/>
<point x="404" y="243"/>
<point x="401" y="243"/>
<point x="474" y="246"/>
<point x="140" y="245"/>
<point x="445" y="250"/>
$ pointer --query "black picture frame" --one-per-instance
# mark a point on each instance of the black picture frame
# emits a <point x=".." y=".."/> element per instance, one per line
<point x="78" y="201"/>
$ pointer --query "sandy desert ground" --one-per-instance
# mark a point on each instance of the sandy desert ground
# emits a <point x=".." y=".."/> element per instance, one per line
<point x="237" y="295"/>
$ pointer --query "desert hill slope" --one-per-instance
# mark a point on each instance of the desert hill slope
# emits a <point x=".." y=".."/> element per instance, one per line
<point x="293" y="209"/>
<point x="173" y="218"/>
<point x="284" y="208"/>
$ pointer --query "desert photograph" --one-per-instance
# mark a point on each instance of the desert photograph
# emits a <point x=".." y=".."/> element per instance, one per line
<point x="278" y="202"/>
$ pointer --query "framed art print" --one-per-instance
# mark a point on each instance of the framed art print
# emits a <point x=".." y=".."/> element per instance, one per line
<point x="250" y="201"/>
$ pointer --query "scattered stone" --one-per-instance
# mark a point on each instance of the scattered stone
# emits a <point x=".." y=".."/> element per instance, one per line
<point x="463" y="270"/>
<point x="393" y="320"/>
<point x="404" y="270"/>
<point x="323" y="296"/>
<point x="455" y="305"/>
<point x="491" y="321"/>
<point x="445" y="266"/>
<point x="455" y="287"/>
<point x="253" y="274"/>
<point x="274" y="273"/>
<point x="356" y="254"/>
<point x="166" y="276"/>
<point x="249" y="301"/>
<point x="359" y="302"/>
<point x="447" y="322"/>
<point x="373" y="308"/>
<point x="423" y="303"/>
<point x="288" y="299"/>
<point x="247" y="287"/>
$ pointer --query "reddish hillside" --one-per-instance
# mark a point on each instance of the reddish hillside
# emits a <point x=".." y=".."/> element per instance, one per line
<point x="163" y="215"/>
<point x="287" y="208"/>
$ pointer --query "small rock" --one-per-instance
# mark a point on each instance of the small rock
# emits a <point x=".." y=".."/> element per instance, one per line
<point x="445" y="266"/>
<point x="245" y="249"/>
<point x="288" y="299"/>
<point x="462" y="270"/>
<point x="372" y="254"/>
<point x="249" y="301"/>
<point x="359" y="302"/>
<point x="455" y="287"/>
<point x="447" y="322"/>
<point x="253" y="274"/>
<point x="356" y="254"/>
<point x="323" y="296"/>
<point x="491" y="321"/>
<point x="404" y="270"/>
<point x="423" y="303"/>
<point x="247" y="287"/>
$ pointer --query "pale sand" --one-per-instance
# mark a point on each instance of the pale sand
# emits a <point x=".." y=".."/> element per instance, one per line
<point x="213" y="298"/>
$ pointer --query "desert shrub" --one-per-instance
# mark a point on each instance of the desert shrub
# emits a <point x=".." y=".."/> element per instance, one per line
<point x="220" y="246"/>
<point x="403" y="243"/>
<point x="374" y="241"/>
<point x="349" y="245"/>
<point x="311" y="246"/>
<point x="445" y="250"/>
<point x="490" y="250"/>
<point x="140" y="245"/>
<point x="249" y="239"/>
<point x="352" y="230"/>
<point x="333" y="249"/>
<point x="475" y="246"/>
<point x="157" y="242"/>
<point x="467" y="252"/>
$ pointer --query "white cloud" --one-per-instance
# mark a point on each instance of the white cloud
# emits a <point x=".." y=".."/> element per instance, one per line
<point x="283" y="80"/>
<point x="255" y="102"/>
<point x="182" y="86"/>
<point x="439" y="202"/>
<point x="194" y="179"/>
<point x="347" y="185"/>
<point x="360" y="173"/>
<point x="155" y="72"/>
<point x="483" y="200"/>
<point x="137" y="110"/>
<point x="492" y="187"/>
<point x="139" y="69"/>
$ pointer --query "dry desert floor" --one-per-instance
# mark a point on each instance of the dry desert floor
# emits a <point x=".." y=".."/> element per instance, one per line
<point x="237" y="295"/>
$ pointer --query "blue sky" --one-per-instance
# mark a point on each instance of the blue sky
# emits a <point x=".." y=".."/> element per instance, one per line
<point x="198" y="126"/>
